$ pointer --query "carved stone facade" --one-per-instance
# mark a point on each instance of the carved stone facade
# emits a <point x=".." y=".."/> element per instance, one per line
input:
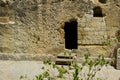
<point x="39" y="26"/>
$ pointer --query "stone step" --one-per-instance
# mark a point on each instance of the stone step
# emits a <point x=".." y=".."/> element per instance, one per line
<point x="63" y="61"/>
<point x="65" y="58"/>
<point x="66" y="55"/>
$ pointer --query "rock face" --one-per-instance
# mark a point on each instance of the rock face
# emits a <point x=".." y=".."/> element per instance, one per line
<point x="118" y="59"/>
<point x="39" y="26"/>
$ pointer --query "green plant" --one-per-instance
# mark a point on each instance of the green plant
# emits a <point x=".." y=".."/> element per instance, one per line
<point x="76" y="71"/>
<point x="94" y="65"/>
<point x="23" y="77"/>
<point x="118" y="51"/>
<point x="43" y="75"/>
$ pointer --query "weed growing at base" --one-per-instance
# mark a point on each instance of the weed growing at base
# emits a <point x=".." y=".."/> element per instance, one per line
<point x="74" y="71"/>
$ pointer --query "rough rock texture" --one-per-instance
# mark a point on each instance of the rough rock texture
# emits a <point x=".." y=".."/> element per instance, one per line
<point x="92" y="30"/>
<point x="26" y="57"/>
<point x="39" y="26"/>
<point x="118" y="59"/>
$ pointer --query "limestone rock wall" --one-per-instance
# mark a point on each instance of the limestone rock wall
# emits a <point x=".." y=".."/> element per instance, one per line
<point x="92" y="30"/>
<point x="39" y="26"/>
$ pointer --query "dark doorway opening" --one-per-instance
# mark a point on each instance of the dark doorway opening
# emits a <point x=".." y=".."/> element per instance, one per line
<point x="97" y="12"/>
<point x="70" y="29"/>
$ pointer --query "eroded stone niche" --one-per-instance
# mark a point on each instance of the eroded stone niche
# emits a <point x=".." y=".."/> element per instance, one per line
<point x="97" y="12"/>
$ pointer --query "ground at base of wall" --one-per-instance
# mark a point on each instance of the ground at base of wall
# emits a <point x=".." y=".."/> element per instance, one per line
<point x="12" y="70"/>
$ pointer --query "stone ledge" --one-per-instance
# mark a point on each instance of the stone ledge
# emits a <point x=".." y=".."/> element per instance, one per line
<point x="37" y="57"/>
<point x="25" y="57"/>
<point x="4" y="19"/>
<point x="10" y="22"/>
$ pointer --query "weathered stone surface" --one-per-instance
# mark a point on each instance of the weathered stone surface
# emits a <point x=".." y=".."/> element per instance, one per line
<point x="39" y="25"/>
<point x="92" y="30"/>
<point x="93" y="50"/>
<point x="4" y="19"/>
<point x="26" y="57"/>
<point x="118" y="59"/>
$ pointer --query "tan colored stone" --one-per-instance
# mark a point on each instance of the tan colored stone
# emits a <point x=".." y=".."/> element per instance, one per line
<point x="39" y="25"/>
<point x="4" y="19"/>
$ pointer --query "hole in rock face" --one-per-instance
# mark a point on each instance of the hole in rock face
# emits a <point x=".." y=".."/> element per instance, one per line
<point x="70" y="29"/>
<point x="97" y="12"/>
<point x="102" y="1"/>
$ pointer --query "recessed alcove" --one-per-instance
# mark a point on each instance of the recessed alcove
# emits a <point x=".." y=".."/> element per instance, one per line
<point x="97" y="11"/>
